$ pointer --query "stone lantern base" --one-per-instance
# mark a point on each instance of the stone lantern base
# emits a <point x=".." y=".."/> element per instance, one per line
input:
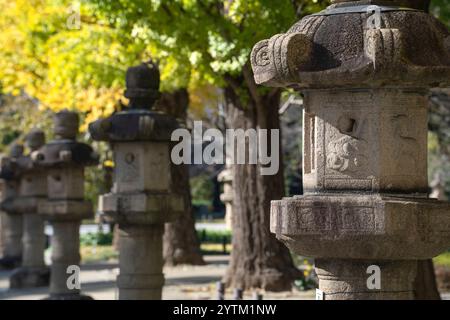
<point x="141" y="219"/>
<point x="347" y="233"/>
<point x="33" y="272"/>
<point x="347" y="279"/>
<point x="65" y="217"/>
<point x="29" y="277"/>
<point x="12" y="258"/>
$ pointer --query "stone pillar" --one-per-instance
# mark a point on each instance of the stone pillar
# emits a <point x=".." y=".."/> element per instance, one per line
<point x="32" y="191"/>
<point x="140" y="200"/>
<point x="365" y="75"/>
<point x="65" y="160"/>
<point x="12" y="219"/>
<point x="226" y="178"/>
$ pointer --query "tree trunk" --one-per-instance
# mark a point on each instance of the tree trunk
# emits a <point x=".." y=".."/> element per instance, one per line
<point x="425" y="287"/>
<point x="180" y="243"/>
<point x="2" y="232"/>
<point x="258" y="259"/>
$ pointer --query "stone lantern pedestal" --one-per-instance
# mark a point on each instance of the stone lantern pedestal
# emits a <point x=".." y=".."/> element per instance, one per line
<point x="365" y="73"/>
<point x="65" y="160"/>
<point x="32" y="191"/>
<point x="140" y="200"/>
<point x="12" y="220"/>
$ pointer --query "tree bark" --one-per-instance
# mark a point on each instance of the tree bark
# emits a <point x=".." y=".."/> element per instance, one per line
<point x="258" y="259"/>
<point x="180" y="243"/>
<point x="425" y="287"/>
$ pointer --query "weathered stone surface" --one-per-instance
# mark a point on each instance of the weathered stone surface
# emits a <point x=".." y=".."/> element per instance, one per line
<point x="32" y="190"/>
<point x="141" y="167"/>
<point x="12" y="254"/>
<point x="141" y="208"/>
<point x="65" y="125"/>
<point x="29" y="277"/>
<point x="66" y="210"/>
<point x="141" y="200"/>
<point x="410" y="49"/>
<point x="134" y="125"/>
<point x="140" y="262"/>
<point x="362" y="226"/>
<point x="64" y="160"/>
<point x="347" y="279"/>
<point x="12" y="219"/>
<point x="365" y="142"/>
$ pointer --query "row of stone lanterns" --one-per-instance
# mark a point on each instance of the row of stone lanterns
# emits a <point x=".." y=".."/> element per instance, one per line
<point x="365" y="174"/>
<point x="48" y="183"/>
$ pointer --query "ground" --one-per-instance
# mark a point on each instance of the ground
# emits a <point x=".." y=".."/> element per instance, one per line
<point x="183" y="282"/>
<point x="99" y="271"/>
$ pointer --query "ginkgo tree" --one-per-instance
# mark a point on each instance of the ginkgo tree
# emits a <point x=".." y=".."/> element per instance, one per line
<point x="60" y="54"/>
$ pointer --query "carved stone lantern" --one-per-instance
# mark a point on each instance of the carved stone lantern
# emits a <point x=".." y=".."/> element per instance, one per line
<point x="226" y="178"/>
<point x="365" y="68"/>
<point x="32" y="191"/>
<point x="141" y="200"/>
<point x="12" y="220"/>
<point x="65" y="159"/>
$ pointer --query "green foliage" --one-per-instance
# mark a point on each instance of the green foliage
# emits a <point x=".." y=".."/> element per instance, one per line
<point x="25" y="111"/>
<point x="91" y="254"/>
<point x="98" y="238"/>
<point x="212" y="236"/>
<point x="441" y="9"/>
<point x="201" y="190"/>
<point x="195" y="40"/>
<point x="443" y="259"/>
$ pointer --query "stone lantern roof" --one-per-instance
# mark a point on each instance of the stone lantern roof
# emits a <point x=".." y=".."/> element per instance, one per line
<point x="65" y="150"/>
<point x="339" y="48"/>
<point x="23" y="164"/>
<point x="137" y="122"/>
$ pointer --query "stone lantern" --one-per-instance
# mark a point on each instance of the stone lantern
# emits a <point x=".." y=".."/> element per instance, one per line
<point x="365" y="69"/>
<point x="11" y="220"/>
<point x="32" y="191"/>
<point x="226" y="178"/>
<point x="65" y="160"/>
<point x="141" y="200"/>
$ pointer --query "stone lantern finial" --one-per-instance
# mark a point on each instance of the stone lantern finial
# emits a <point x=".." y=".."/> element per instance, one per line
<point x="65" y="125"/>
<point x="142" y="83"/>
<point x="35" y="139"/>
